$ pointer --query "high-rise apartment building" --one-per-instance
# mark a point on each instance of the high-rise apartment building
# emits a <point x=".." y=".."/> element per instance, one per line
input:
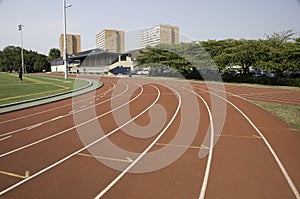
<point x="162" y="34"/>
<point x="73" y="44"/>
<point x="111" y="41"/>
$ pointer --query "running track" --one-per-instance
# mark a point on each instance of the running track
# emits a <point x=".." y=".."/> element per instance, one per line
<point x="142" y="138"/>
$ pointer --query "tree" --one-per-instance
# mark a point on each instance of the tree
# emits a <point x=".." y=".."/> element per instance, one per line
<point x="1" y="61"/>
<point x="246" y="53"/>
<point x="221" y="52"/>
<point x="160" y="58"/>
<point x="41" y="63"/>
<point x="281" y="53"/>
<point x="29" y="59"/>
<point x="11" y="58"/>
<point x="54" y="53"/>
<point x="281" y="37"/>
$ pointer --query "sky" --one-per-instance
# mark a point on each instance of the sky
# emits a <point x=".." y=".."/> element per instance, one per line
<point x="198" y="20"/>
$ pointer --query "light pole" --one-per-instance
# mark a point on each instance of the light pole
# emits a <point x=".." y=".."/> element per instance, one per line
<point x="22" y="56"/>
<point x="65" y="58"/>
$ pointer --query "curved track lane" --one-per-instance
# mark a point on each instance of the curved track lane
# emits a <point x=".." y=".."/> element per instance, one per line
<point x="134" y="138"/>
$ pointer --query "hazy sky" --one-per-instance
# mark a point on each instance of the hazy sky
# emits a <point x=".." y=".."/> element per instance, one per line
<point x="197" y="19"/>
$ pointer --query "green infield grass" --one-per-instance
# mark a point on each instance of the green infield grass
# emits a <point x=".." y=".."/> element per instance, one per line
<point x="289" y="113"/>
<point x="33" y="86"/>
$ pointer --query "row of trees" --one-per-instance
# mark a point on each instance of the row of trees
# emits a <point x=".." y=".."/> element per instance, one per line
<point x="278" y="52"/>
<point x="10" y="59"/>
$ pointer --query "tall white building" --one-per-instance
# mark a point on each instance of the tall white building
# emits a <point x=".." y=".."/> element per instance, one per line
<point x="162" y="34"/>
<point x="111" y="41"/>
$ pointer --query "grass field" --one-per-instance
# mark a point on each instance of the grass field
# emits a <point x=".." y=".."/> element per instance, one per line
<point x="33" y="86"/>
<point x="289" y="113"/>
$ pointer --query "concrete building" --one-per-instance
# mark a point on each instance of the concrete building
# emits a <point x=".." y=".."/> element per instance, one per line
<point x="111" y="41"/>
<point x="95" y="61"/>
<point x="73" y="44"/>
<point x="162" y="34"/>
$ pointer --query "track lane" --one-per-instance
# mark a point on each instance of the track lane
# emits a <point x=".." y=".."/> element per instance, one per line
<point x="54" y="164"/>
<point x="61" y="123"/>
<point x="283" y="179"/>
<point x="29" y="117"/>
<point x="231" y="147"/>
<point x="44" y="138"/>
<point x="138" y="158"/>
<point x="165" y="182"/>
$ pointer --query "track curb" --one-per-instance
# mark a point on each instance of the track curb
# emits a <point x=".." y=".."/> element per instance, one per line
<point x="93" y="85"/>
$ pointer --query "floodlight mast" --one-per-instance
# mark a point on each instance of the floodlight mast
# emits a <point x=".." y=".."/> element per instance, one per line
<point x="65" y="54"/>
<point x="22" y="55"/>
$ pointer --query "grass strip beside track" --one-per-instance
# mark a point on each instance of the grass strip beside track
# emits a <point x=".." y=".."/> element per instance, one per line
<point x="289" y="113"/>
<point x="33" y="86"/>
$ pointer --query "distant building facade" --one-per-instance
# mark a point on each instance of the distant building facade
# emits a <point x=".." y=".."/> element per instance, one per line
<point x="162" y="34"/>
<point x="95" y="61"/>
<point x="73" y="44"/>
<point x="111" y="41"/>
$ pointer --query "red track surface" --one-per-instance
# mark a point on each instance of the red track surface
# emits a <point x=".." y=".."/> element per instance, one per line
<point x="255" y="154"/>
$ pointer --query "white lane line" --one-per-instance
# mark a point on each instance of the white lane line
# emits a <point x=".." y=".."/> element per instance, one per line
<point x="211" y="146"/>
<point x="5" y="138"/>
<point x="283" y="170"/>
<point x="69" y="114"/>
<point x="275" y="100"/>
<point x="83" y="106"/>
<point x="56" y="118"/>
<point x="127" y="159"/>
<point x="280" y="165"/>
<point x="34" y="126"/>
<point x="48" y="110"/>
<point x="240" y="136"/>
<point x="109" y="186"/>
<point x="74" y="127"/>
<point x="183" y="146"/>
<point x="79" y="151"/>
<point x="73" y="111"/>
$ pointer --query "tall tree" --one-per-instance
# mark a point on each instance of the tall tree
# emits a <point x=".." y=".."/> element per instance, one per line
<point x="11" y="58"/>
<point x="246" y="53"/>
<point x="54" y="53"/>
<point x="41" y="63"/>
<point x="281" y="53"/>
<point x="221" y="52"/>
